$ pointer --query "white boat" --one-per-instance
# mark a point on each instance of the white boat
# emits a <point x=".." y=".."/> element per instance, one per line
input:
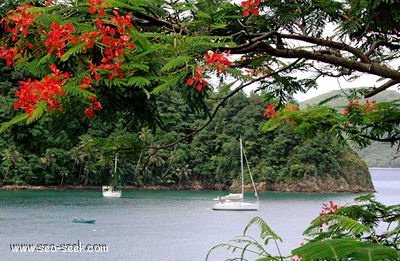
<point x="236" y="201"/>
<point x="112" y="191"/>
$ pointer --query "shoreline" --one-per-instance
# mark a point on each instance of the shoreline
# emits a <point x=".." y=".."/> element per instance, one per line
<point x="83" y="188"/>
<point x="163" y="188"/>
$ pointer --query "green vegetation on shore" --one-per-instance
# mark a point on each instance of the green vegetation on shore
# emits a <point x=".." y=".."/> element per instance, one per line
<point x="74" y="152"/>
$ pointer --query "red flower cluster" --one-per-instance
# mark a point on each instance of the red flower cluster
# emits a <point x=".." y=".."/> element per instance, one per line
<point x="97" y="5"/>
<point x="110" y="34"/>
<point x="8" y="55"/>
<point x="17" y="23"/>
<point x="198" y="79"/>
<point x="95" y="106"/>
<point x="250" y="7"/>
<point x="48" y="90"/>
<point x="270" y="111"/>
<point x="367" y="108"/>
<point x="59" y="36"/>
<point x="290" y="108"/>
<point x="219" y="60"/>
<point x="329" y="208"/>
<point x="115" y="40"/>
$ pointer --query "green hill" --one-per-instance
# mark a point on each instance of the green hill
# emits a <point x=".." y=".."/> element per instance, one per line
<point x="378" y="154"/>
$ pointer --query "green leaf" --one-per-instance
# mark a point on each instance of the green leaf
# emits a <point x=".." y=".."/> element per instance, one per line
<point x="38" y="112"/>
<point x="345" y="249"/>
<point x="138" y="81"/>
<point x="266" y="232"/>
<point x="345" y="223"/>
<point x="77" y="48"/>
<point x="373" y="252"/>
<point x="168" y="82"/>
<point x="176" y="62"/>
<point x="326" y="250"/>
<point x="15" y="120"/>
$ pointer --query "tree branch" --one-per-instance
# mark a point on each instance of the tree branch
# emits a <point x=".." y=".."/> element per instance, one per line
<point x="328" y="43"/>
<point x="381" y="88"/>
<point x="370" y="68"/>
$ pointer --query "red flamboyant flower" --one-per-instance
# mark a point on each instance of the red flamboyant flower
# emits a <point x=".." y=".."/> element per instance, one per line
<point x="220" y="60"/>
<point x="48" y="90"/>
<point x="250" y="7"/>
<point x="291" y="108"/>
<point x="8" y="55"/>
<point x="17" y="21"/>
<point x="122" y="22"/>
<point x="94" y="71"/>
<point x="111" y="34"/>
<point x="95" y="106"/>
<point x="198" y="79"/>
<point x="329" y="208"/>
<point x="59" y="36"/>
<point x="367" y="108"/>
<point x="86" y="82"/>
<point x="270" y="111"/>
<point x="87" y="38"/>
<point x="97" y="5"/>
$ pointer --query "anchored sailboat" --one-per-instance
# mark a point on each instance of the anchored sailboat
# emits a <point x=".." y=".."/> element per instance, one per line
<point x="235" y="201"/>
<point x="112" y="191"/>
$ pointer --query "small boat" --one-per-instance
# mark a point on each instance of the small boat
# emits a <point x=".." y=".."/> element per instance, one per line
<point x="235" y="201"/>
<point x="112" y="191"/>
<point x="85" y="221"/>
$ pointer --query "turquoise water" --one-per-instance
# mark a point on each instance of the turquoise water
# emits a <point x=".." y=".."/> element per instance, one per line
<point x="154" y="225"/>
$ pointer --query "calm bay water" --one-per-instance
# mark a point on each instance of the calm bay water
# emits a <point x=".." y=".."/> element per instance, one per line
<point x="156" y="225"/>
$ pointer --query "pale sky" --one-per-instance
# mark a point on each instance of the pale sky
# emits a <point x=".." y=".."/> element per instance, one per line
<point x="328" y="84"/>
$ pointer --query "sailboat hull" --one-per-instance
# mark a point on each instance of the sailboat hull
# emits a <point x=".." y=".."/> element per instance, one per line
<point x="236" y="206"/>
<point x="110" y="192"/>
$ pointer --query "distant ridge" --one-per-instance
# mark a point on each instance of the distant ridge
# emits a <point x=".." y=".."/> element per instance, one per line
<point x="378" y="154"/>
<point x="384" y="96"/>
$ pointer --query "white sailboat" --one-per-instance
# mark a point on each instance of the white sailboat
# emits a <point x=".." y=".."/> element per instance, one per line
<point x="235" y="201"/>
<point x="112" y="191"/>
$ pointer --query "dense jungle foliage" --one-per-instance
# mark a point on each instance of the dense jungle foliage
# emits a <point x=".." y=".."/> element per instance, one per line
<point x="81" y="152"/>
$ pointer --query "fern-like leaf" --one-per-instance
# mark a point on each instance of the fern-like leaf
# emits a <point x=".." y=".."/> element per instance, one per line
<point x="345" y="249"/>
<point x="75" y="49"/>
<point x="138" y="81"/>
<point x="39" y="111"/>
<point x="176" y="62"/>
<point x="15" y="120"/>
<point x="326" y="250"/>
<point x="345" y="223"/>
<point x="167" y="83"/>
<point x="372" y="252"/>
<point x="266" y="232"/>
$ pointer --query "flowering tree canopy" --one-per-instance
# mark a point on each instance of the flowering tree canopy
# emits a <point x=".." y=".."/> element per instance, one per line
<point x="99" y="55"/>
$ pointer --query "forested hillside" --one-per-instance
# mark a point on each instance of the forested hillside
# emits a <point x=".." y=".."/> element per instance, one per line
<point x="378" y="154"/>
<point x="79" y="151"/>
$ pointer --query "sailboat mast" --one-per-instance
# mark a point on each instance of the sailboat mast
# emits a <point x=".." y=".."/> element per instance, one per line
<point x="115" y="164"/>
<point x="241" y="166"/>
